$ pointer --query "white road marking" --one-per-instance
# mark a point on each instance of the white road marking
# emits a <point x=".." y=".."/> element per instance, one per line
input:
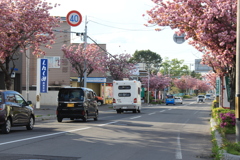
<point x="170" y="109"/>
<point x="196" y="112"/>
<point x="178" y="149"/>
<point x="162" y="111"/>
<point x="152" y="113"/>
<point x="135" y="117"/>
<point x="107" y="123"/>
<point x="46" y="135"/>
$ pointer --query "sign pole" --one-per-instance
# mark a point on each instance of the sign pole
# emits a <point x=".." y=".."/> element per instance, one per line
<point x="38" y="84"/>
<point x="85" y="46"/>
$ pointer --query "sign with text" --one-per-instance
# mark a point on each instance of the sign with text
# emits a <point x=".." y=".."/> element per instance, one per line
<point x="44" y="76"/>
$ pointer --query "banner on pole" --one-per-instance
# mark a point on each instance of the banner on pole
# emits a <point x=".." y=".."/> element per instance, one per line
<point x="44" y="76"/>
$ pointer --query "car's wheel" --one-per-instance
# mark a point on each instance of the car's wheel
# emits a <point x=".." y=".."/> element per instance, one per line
<point x="6" y="127"/>
<point x="118" y="111"/>
<point x="99" y="103"/>
<point x="96" y="117"/>
<point x="134" y="111"/>
<point x="59" y="119"/>
<point x="166" y="104"/>
<point x="85" y="117"/>
<point x="72" y="119"/>
<point x="30" y="124"/>
<point x="139" y="111"/>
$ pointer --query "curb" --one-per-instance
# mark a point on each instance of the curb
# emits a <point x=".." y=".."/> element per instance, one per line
<point x="226" y="156"/>
<point x="42" y="118"/>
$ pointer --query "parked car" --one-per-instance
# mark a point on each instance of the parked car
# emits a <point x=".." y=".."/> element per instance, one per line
<point x="15" y="111"/>
<point x="201" y="98"/>
<point x="76" y="103"/>
<point x="99" y="99"/>
<point x="178" y="100"/>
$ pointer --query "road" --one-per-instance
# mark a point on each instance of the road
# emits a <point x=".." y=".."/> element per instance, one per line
<point x="159" y="132"/>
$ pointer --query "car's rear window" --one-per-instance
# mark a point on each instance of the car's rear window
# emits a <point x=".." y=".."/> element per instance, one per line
<point x="124" y="94"/>
<point x="200" y="96"/>
<point x="124" y="87"/>
<point x="71" y="95"/>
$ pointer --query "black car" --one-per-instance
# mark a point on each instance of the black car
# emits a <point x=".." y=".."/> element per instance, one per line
<point x="15" y="111"/>
<point x="76" y="103"/>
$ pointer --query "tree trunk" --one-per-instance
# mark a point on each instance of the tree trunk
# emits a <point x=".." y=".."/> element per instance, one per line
<point x="7" y="73"/>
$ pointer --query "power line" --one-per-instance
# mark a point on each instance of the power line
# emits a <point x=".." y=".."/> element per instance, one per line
<point x="127" y="29"/>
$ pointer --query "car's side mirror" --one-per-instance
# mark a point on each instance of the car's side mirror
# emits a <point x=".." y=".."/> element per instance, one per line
<point x="29" y="102"/>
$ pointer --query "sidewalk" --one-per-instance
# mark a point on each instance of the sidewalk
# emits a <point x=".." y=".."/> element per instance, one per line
<point x="46" y="112"/>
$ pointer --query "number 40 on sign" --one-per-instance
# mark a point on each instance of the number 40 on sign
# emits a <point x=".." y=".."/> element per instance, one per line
<point x="74" y="18"/>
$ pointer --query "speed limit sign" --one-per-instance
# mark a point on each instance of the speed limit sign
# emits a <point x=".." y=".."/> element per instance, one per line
<point x="74" y="18"/>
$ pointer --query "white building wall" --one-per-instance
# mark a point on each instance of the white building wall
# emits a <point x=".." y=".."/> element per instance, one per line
<point x="49" y="98"/>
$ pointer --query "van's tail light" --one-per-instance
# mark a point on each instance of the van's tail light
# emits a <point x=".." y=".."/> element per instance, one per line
<point x="2" y="106"/>
<point x="135" y="100"/>
<point x="114" y="101"/>
<point x="83" y="113"/>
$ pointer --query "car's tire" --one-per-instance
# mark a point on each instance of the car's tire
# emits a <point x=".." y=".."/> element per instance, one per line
<point x="59" y="119"/>
<point x="139" y="111"/>
<point x="6" y="127"/>
<point x="166" y="104"/>
<point x="30" y="124"/>
<point x="85" y="117"/>
<point x="72" y="119"/>
<point x="118" y="111"/>
<point x="96" y="117"/>
<point x="134" y="111"/>
<point x="99" y="103"/>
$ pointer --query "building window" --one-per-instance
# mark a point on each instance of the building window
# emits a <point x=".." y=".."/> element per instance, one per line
<point x="53" y="61"/>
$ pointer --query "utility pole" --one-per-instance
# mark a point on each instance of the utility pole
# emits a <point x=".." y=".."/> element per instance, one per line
<point x="237" y="98"/>
<point x="85" y="46"/>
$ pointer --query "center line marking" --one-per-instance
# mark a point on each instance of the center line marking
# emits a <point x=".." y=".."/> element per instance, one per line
<point x="135" y="117"/>
<point x="152" y="113"/>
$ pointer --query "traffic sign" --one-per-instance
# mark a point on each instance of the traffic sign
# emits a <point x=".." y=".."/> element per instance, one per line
<point x="74" y="18"/>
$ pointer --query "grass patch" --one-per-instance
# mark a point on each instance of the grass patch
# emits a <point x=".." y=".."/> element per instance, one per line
<point x="225" y="120"/>
<point x="217" y="153"/>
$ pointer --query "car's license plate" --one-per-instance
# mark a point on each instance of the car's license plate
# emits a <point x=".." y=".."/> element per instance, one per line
<point x="124" y="107"/>
<point x="70" y="105"/>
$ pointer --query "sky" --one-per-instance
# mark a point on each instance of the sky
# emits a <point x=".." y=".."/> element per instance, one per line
<point x="120" y="25"/>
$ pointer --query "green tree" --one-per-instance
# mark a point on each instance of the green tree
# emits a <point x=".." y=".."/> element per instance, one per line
<point x="151" y="59"/>
<point x="175" y="68"/>
<point x="196" y="75"/>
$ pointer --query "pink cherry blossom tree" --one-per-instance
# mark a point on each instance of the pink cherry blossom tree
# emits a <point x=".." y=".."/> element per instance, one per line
<point x="185" y="83"/>
<point x="211" y="78"/>
<point x="23" y="23"/>
<point x="119" y="66"/>
<point x="156" y="82"/>
<point x="87" y="59"/>
<point x="202" y="86"/>
<point x="209" y="26"/>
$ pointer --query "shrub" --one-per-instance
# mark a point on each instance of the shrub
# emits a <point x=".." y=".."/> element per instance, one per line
<point x="187" y="96"/>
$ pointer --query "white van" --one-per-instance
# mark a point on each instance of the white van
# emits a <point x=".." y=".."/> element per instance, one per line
<point x="127" y="96"/>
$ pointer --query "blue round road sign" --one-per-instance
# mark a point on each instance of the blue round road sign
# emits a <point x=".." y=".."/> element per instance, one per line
<point x="74" y="18"/>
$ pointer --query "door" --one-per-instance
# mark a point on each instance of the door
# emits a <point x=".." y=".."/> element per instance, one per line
<point x="24" y="111"/>
<point x="15" y="108"/>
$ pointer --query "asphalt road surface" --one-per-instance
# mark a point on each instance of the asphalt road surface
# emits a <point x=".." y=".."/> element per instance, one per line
<point x="159" y="132"/>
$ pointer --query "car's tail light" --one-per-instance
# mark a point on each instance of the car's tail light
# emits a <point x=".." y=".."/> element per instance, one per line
<point x="114" y="101"/>
<point x="83" y="113"/>
<point x="135" y="100"/>
<point x="2" y="106"/>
